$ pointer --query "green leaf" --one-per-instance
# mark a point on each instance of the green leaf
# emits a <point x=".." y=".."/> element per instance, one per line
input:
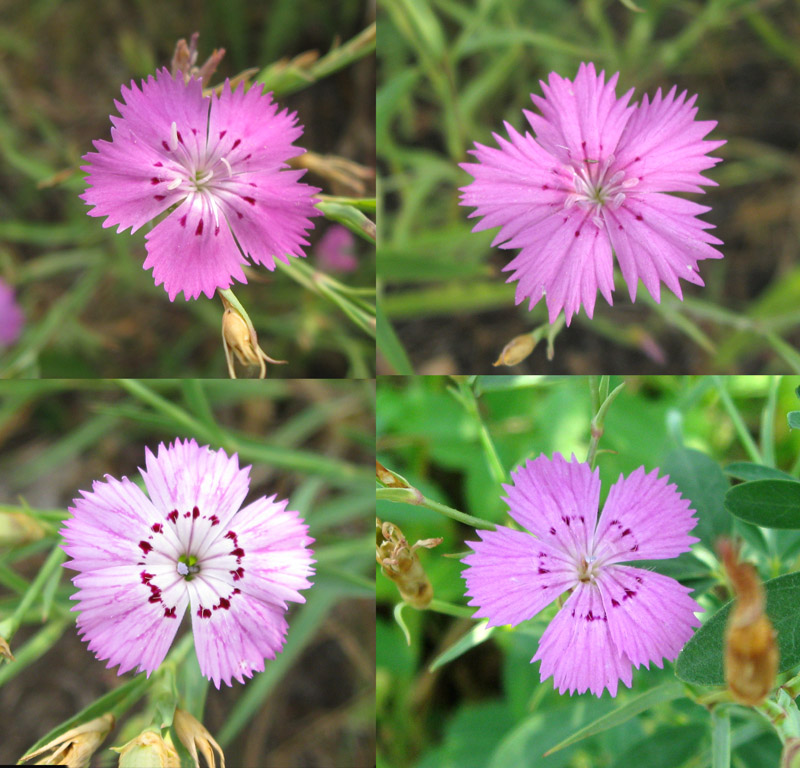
<point x="478" y="634"/>
<point x="389" y="345"/>
<point x="746" y="470"/>
<point x="665" y="748"/>
<point x="794" y="419"/>
<point x="700" y="662"/>
<point x="632" y="708"/>
<point x="769" y="503"/>
<point x="700" y="479"/>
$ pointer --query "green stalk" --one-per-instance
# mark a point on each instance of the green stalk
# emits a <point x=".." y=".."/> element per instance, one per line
<point x="720" y="738"/>
<point x="450" y="609"/>
<point x="738" y="422"/>
<point x="413" y="496"/>
<point x="470" y="402"/>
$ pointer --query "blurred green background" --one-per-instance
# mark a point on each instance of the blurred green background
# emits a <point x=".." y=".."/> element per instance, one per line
<point x="451" y="700"/>
<point x="310" y="441"/>
<point x="451" y="72"/>
<point x="92" y="311"/>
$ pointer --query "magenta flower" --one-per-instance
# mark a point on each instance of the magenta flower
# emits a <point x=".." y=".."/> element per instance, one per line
<point x="336" y="250"/>
<point x="142" y="561"/>
<point x="218" y="163"/>
<point x="616" y="616"/>
<point x="11" y="317"/>
<point x="594" y="179"/>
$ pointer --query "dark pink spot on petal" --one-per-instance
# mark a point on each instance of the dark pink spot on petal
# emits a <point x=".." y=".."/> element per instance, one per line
<point x="159" y="164"/>
<point x="239" y="215"/>
<point x="183" y="224"/>
<point x="578" y="233"/>
<point x="224" y="603"/>
<point x="246" y="157"/>
<point x="238" y="552"/>
<point x="629" y="593"/>
<point x="146" y="577"/>
<point x="214" y="520"/>
<point x="626" y="532"/>
<point x="169" y="613"/>
<point x="216" y="230"/>
<point x="165" y="145"/>
<point x="222" y="134"/>
<point x="174" y="514"/>
<point x="543" y="570"/>
<point x="180" y="138"/>
<point x="236" y="143"/>
<point x="155" y="180"/>
<point x="553" y="531"/>
<point x="194" y="131"/>
<point x="615" y="603"/>
<point x="195" y="510"/>
<point x="198" y="231"/>
<point x="159" y="197"/>
<point x="157" y="527"/>
<point x="249" y="200"/>
<point x="236" y="591"/>
<point x="639" y="217"/>
<point x="145" y="546"/>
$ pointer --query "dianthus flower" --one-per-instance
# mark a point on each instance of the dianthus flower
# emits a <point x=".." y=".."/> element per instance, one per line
<point x="11" y="318"/>
<point x="616" y="616"/>
<point x="218" y="163"/>
<point x="594" y="179"/>
<point x="142" y="561"/>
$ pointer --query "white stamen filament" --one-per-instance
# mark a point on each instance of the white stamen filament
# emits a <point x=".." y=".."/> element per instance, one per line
<point x="175" y="183"/>
<point x="227" y="165"/>
<point x="173" y="139"/>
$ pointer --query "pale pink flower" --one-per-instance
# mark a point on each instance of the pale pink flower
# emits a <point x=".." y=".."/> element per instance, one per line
<point x="593" y="181"/>
<point x="616" y="617"/>
<point x="336" y="250"/>
<point x="11" y="317"/>
<point x="142" y="561"/>
<point x="218" y="164"/>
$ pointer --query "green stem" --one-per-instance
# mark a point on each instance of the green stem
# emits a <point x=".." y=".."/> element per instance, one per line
<point x="599" y="392"/>
<point x="450" y="609"/>
<point x="413" y="496"/>
<point x="10" y="625"/>
<point x="738" y="423"/>
<point x="720" y="738"/>
<point x="470" y="402"/>
<point x="367" y="204"/>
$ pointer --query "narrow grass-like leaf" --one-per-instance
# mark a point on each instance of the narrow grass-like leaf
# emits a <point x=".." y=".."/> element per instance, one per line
<point x="480" y="633"/>
<point x="632" y="708"/>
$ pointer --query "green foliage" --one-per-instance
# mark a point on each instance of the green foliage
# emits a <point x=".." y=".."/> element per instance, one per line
<point x="700" y="661"/>
<point x="443" y="436"/>
<point x="769" y="503"/>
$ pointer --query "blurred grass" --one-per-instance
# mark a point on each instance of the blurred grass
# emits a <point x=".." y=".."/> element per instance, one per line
<point x="452" y="72"/>
<point x="308" y="440"/>
<point x="92" y="311"/>
<point x="487" y="707"/>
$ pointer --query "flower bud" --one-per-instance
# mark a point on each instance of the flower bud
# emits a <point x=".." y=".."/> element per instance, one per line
<point x="516" y="350"/>
<point x="5" y="649"/>
<point x="148" y="750"/>
<point x="239" y="338"/>
<point x="75" y="747"/>
<point x="400" y="563"/>
<point x="194" y="735"/>
<point x="19" y="528"/>
<point x="751" y="653"/>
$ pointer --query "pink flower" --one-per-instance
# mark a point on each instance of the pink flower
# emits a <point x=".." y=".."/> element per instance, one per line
<point x="616" y="616"/>
<point x="11" y="317"/>
<point x="335" y="250"/>
<point x="142" y="561"/>
<point x="217" y="163"/>
<point x="594" y="179"/>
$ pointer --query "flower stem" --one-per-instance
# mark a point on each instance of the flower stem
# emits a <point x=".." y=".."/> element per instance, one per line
<point x="466" y="394"/>
<point x="601" y="396"/>
<point x="413" y="496"/>
<point x="450" y="609"/>
<point x="738" y="423"/>
<point x="720" y="738"/>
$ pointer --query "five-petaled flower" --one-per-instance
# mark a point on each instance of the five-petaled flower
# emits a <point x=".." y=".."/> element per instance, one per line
<point x="616" y="616"/>
<point x="142" y="561"/>
<point x="219" y="162"/>
<point x="594" y="179"/>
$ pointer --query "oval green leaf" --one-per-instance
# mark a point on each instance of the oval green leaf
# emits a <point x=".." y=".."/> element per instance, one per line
<point x="700" y="661"/>
<point x="747" y="470"/>
<point x="770" y="503"/>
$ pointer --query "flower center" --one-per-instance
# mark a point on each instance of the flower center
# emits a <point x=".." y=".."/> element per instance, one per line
<point x="597" y="187"/>
<point x="586" y="569"/>
<point x="187" y="566"/>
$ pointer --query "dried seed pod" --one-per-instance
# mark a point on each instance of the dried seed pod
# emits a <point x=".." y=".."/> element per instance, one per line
<point x="751" y="651"/>
<point x="400" y="563"/>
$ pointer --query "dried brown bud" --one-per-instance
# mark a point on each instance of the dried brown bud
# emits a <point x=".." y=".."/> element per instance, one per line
<point x="75" y="747"/>
<point x="239" y="338"/>
<point x="751" y="653"/>
<point x="194" y="736"/>
<point x="148" y="750"/>
<point x="516" y="350"/>
<point x="400" y="563"/>
<point x="5" y="650"/>
<point x="19" y="528"/>
<point x="388" y="478"/>
<point x="185" y="57"/>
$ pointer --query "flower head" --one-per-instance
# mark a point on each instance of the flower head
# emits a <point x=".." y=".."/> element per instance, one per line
<point x="616" y="616"/>
<point x="11" y="317"/>
<point x="336" y="249"/>
<point x="142" y="561"/>
<point x="594" y="179"/>
<point x="218" y="164"/>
